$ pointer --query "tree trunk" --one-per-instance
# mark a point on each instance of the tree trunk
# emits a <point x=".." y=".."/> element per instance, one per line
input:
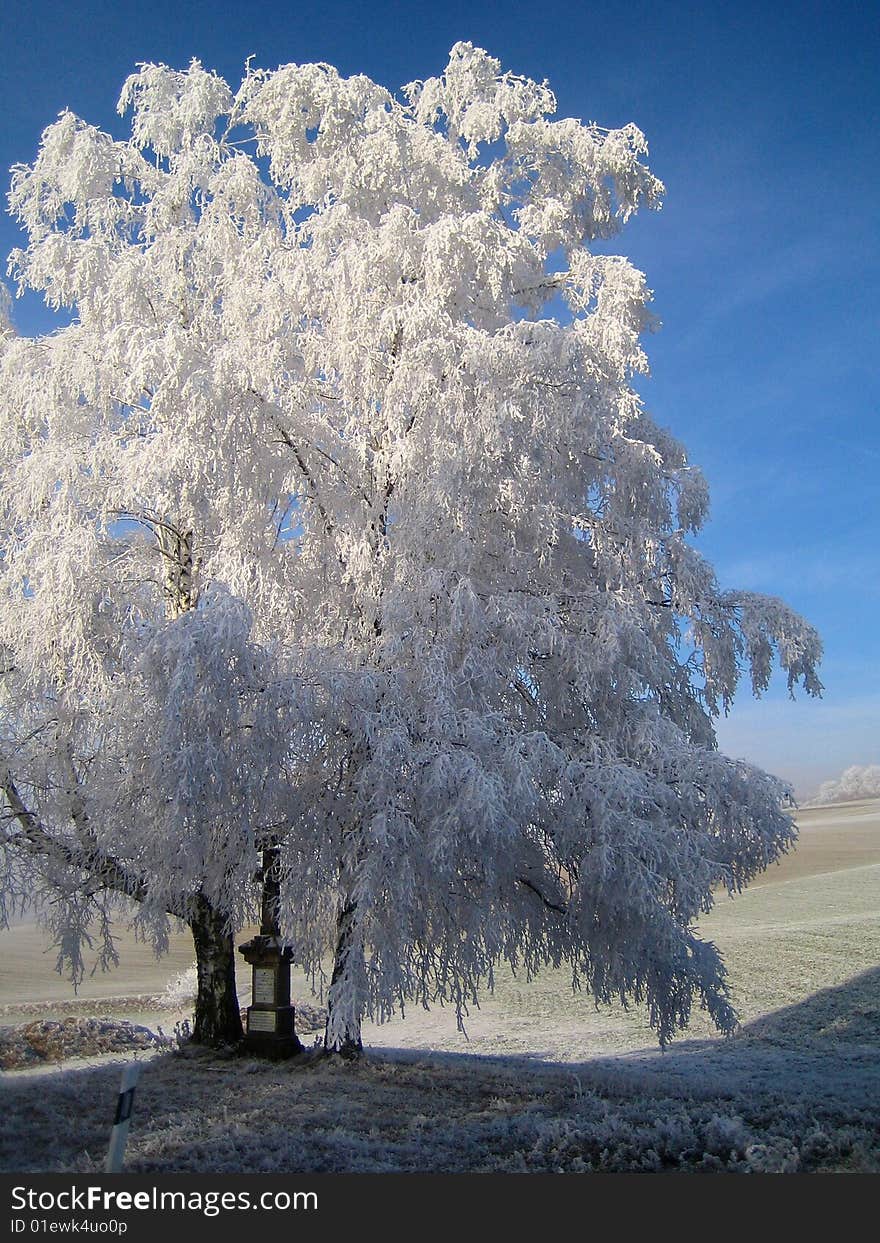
<point x="217" y="1018"/>
<point x="343" y="1031"/>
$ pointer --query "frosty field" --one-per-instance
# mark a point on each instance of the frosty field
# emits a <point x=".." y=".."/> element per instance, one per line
<point x="542" y="1081"/>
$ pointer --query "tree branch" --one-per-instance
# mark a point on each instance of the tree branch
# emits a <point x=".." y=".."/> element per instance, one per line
<point x="38" y="841"/>
<point x="552" y="906"/>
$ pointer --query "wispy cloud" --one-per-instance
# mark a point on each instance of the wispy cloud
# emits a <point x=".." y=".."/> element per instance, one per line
<point x="817" y="569"/>
<point x="774" y="273"/>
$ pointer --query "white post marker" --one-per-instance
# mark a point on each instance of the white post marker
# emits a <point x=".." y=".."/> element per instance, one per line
<point x="119" y="1134"/>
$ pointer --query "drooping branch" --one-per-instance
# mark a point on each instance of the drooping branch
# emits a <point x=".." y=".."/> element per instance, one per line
<point x="111" y="873"/>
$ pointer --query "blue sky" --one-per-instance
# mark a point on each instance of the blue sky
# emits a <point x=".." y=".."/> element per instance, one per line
<point x="762" y="122"/>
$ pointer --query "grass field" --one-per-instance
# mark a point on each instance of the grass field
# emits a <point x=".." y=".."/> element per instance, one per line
<point x="550" y="1083"/>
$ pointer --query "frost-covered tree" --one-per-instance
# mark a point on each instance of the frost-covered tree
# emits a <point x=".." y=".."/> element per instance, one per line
<point x="856" y="782"/>
<point x="350" y="355"/>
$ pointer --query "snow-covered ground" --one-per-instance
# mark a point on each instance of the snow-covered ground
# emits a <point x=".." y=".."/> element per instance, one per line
<point x="542" y="1080"/>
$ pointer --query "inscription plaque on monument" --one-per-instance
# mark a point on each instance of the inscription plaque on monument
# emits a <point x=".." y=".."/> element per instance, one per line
<point x="261" y="1020"/>
<point x="264" y="986"/>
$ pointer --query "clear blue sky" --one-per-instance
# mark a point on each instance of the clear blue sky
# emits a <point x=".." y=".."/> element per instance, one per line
<point x="762" y="121"/>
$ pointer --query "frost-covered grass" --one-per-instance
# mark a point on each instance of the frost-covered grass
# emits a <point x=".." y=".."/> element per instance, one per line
<point x="543" y="1080"/>
<point x="741" y="1106"/>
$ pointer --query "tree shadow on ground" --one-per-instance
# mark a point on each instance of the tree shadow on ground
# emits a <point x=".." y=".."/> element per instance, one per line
<point x="846" y="1014"/>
